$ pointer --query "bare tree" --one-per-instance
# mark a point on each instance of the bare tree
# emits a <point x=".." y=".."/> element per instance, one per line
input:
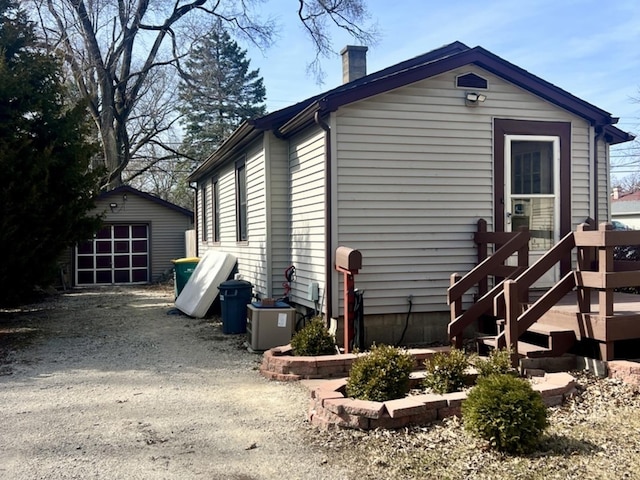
<point x="114" y="50"/>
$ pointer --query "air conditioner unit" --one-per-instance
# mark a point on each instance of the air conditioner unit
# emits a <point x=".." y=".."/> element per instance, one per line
<point x="269" y="327"/>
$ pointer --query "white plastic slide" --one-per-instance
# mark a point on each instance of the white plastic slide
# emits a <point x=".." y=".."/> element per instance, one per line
<point x="201" y="289"/>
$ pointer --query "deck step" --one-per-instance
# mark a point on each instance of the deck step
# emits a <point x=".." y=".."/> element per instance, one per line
<point x="524" y="349"/>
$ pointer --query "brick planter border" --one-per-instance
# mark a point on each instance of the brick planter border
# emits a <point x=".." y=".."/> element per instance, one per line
<point x="279" y="363"/>
<point x="330" y="409"/>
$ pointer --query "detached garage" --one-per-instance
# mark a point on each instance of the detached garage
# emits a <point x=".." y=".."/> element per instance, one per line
<point x="140" y="236"/>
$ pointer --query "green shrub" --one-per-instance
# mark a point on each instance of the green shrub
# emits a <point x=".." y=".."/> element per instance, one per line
<point x="505" y="411"/>
<point x="380" y="375"/>
<point x="313" y="339"/>
<point x="445" y="372"/>
<point x="497" y="363"/>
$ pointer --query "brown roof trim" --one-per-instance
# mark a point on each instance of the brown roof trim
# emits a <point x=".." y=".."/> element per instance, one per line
<point x="289" y="120"/>
<point x="409" y="72"/>
<point x="246" y="132"/>
<point x="147" y="196"/>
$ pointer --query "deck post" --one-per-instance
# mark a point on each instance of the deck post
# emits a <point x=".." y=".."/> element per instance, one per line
<point x="585" y="258"/>
<point x="483" y="285"/>
<point x="512" y="304"/>
<point x="605" y="265"/>
<point x="523" y="261"/>
<point x="456" y="310"/>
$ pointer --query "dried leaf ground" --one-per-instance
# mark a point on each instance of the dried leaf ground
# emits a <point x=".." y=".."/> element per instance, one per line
<point x="595" y="435"/>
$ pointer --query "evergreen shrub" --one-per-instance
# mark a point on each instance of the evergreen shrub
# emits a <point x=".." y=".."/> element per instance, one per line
<point x="446" y="372"/>
<point x="380" y="375"/>
<point x="505" y="411"/>
<point x="313" y="339"/>
<point x="497" y="363"/>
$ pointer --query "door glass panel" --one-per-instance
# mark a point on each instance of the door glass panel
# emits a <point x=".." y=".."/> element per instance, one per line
<point x="121" y="261"/>
<point x="532" y="191"/>
<point x="531" y="167"/>
<point x="85" y="262"/>
<point x="121" y="276"/>
<point x="139" y="275"/>
<point x="537" y="215"/>
<point x="85" y="248"/>
<point x="139" y="246"/>
<point x="104" y="232"/>
<point x="103" y="276"/>
<point x="139" y="261"/>
<point x="138" y="231"/>
<point x="103" y="247"/>
<point x="121" y="231"/>
<point x="103" y="261"/>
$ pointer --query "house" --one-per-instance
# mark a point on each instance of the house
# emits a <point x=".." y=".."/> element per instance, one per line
<point x="400" y="164"/>
<point x="625" y="208"/>
<point x="140" y="236"/>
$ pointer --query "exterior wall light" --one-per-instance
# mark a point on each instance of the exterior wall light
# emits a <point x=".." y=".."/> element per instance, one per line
<point x="473" y="98"/>
<point x="113" y="206"/>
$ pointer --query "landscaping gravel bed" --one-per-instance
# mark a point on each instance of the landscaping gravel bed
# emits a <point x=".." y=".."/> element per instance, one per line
<point x="106" y="384"/>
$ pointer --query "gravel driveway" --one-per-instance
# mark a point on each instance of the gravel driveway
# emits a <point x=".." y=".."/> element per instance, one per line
<point x="105" y="384"/>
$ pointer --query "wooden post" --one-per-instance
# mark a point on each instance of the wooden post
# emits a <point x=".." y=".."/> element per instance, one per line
<point x="456" y="311"/>
<point x="483" y="285"/>
<point x="585" y="257"/>
<point x="512" y="311"/>
<point x="605" y="264"/>
<point x="523" y="261"/>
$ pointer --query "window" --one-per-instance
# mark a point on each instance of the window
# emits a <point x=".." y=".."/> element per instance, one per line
<point x="205" y="224"/>
<point x="215" y="208"/>
<point x="241" y="200"/>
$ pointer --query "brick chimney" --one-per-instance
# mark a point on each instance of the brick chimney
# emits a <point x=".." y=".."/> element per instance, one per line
<point x="616" y="193"/>
<point x="354" y="62"/>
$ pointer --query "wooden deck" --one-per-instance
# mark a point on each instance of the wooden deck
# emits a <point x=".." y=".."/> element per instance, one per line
<point x="584" y="301"/>
<point x="623" y="325"/>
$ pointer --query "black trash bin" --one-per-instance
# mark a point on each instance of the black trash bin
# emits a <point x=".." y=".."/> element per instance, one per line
<point x="235" y="295"/>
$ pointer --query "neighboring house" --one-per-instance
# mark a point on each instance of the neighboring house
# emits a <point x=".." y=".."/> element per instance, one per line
<point x="140" y="236"/>
<point x="625" y="208"/>
<point x="400" y="164"/>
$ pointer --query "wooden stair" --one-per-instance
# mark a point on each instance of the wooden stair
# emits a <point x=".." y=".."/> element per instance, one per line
<point x="540" y="340"/>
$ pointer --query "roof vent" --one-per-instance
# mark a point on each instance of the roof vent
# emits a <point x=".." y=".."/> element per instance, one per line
<point x="354" y="63"/>
<point x="471" y="80"/>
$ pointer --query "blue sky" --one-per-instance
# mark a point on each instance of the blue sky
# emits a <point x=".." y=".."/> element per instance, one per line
<point x="589" y="48"/>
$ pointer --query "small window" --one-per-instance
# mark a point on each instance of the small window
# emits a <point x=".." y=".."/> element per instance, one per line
<point x="204" y="215"/>
<point x="471" y="80"/>
<point x="215" y="209"/>
<point x="241" y="200"/>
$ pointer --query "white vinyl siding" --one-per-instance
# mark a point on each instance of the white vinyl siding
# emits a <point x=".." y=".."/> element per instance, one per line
<point x="415" y="173"/>
<point x="251" y="254"/>
<point x="306" y="166"/>
<point x="279" y="212"/>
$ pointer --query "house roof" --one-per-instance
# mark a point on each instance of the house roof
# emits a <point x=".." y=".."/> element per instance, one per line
<point x="292" y="119"/>
<point x="626" y="204"/>
<point x="119" y="191"/>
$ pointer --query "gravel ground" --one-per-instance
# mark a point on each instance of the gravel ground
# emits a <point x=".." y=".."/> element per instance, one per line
<point x="104" y="384"/>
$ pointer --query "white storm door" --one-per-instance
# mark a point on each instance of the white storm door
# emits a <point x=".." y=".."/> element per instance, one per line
<point x="532" y="193"/>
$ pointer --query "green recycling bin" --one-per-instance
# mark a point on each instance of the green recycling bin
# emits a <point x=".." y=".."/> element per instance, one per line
<point x="182" y="270"/>
<point x="235" y="295"/>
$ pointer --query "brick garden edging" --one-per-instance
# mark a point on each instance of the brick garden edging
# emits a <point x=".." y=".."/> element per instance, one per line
<point x="279" y="363"/>
<point x="330" y="409"/>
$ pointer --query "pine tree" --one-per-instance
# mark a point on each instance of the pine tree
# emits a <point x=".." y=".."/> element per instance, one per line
<point x="47" y="187"/>
<point x="218" y="92"/>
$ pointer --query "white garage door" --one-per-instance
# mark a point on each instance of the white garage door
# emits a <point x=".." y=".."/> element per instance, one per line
<point x="118" y="254"/>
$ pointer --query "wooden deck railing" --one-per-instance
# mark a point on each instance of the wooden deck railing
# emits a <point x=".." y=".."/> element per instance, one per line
<point x="596" y="269"/>
<point x="507" y="243"/>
